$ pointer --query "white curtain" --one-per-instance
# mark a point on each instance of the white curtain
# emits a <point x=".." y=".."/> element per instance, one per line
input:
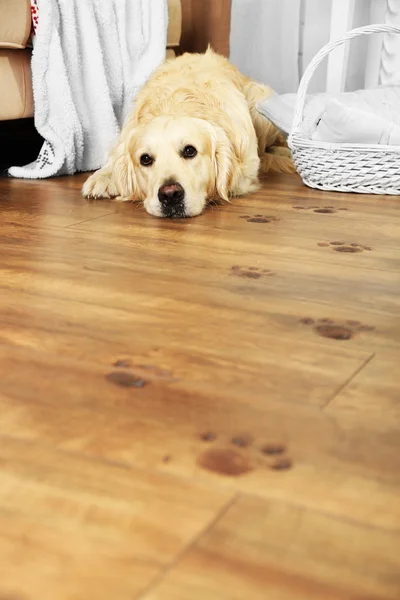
<point x="274" y="40"/>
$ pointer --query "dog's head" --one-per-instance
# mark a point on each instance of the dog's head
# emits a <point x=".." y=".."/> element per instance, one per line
<point x="175" y="165"/>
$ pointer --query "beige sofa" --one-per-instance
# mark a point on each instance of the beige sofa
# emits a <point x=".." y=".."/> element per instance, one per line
<point x="16" y="100"/>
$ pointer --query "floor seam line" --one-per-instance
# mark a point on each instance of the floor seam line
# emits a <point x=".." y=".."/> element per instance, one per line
<point x="160" y="577"/>
<point x="348" y="381"/>
<point x="87" y="220"/>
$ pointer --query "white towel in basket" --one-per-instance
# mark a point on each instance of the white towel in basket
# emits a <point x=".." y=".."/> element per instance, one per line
<point x="90" y="58"/>
<point x="362" y="117"/>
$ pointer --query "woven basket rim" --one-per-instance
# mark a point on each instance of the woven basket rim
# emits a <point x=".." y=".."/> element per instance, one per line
<point x="297" y="140"/>
<point x="377" y="190"/>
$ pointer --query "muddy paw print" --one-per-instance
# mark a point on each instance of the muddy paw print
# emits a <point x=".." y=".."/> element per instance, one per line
<point x="277" y="457"/>
<point x="123" y="376"/>
<point x="240" y="456"/>
<point x="259" y="218"/>
<point x="336" y="330"/>
<point x="127" y="373"/>
<point x="250" y="272"/>
<point x="320" y="209"/>
<point x="344" y="246"/>
<point x="125" y="379"/>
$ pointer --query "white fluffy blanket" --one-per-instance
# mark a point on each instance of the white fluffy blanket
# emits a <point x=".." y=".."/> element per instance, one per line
<point x="89" y="60"/>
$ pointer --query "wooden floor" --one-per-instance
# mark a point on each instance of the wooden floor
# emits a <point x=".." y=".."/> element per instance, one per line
<point x="203" y="409"/>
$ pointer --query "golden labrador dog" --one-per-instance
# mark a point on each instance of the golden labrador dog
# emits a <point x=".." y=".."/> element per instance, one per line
<point x="194" y="135"/>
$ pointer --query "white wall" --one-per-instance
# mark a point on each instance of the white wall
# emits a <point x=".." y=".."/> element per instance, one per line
<point x="274" y="40"/>
<point x="264" y="37"/>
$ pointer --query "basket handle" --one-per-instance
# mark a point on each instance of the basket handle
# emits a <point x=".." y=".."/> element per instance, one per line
<point x="309" y="72"/>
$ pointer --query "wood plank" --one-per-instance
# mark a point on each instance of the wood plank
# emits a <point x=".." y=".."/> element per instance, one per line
<point x="55" y="203"/>
<point x="369" y="407"/>
<point x="285" y="220"/>
<point x="205" y="432"/>
<point x="269" y="292"/>
<point x="223" y="355"/>
<point x="372" y="398"/>
<point x="279" y="551"/>
<point x="75" y="529"/>
<point x="47" y="282"/>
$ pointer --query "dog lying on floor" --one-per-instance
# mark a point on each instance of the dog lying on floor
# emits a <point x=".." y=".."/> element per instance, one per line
<point x="194" y="136"/>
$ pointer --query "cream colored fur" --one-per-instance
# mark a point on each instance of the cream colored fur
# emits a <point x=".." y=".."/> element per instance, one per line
<point x="203" y="101"/>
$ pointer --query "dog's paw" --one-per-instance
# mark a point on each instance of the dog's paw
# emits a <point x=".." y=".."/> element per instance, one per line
<point x="279" y="151"/>
<point x="276" y="161"/>
<point x="100" y="185"/>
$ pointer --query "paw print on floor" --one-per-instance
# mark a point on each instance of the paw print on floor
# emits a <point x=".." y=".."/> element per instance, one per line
<point x="250" y="272"/>
<point x="320" y="209"/>
<point x="241" y="456"/>
<point x="336" y="330"/>
<point x="127" y="374"/>
<point x="125" y="379"/>
<point x="344" y="246"/>
<point x="259" y="218"/>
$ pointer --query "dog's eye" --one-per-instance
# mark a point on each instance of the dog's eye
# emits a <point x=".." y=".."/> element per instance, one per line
<point x="189" y="152"/>
<point x="146" y="160"/>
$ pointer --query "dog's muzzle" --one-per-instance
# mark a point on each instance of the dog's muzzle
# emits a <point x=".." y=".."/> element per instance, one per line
<point x="172" y="200"/>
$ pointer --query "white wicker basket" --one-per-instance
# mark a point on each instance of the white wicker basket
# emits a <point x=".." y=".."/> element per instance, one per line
<point x="366" y="169"/>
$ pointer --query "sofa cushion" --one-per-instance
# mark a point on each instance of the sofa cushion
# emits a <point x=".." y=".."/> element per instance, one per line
<point x="15" y="23"/>
<point x="16" y="98"/>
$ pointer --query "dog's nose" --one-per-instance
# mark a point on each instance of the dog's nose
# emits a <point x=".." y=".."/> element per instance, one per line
<point x="171" y="194"/>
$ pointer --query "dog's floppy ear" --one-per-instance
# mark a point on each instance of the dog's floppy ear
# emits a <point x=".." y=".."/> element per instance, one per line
<point x="225" y="163"/>
<point x="124" y="174"/>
